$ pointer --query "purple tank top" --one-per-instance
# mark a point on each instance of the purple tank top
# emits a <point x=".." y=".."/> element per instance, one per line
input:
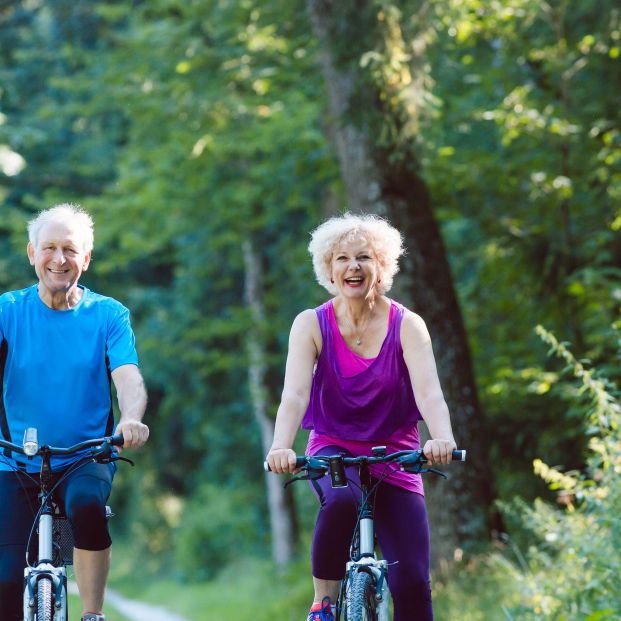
<point x="371" y="405"/>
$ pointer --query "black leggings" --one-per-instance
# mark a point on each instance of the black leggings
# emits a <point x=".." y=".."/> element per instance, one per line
<point x="83" y="494"/>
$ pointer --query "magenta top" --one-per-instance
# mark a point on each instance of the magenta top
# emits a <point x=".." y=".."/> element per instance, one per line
<point x="357" y="403"/>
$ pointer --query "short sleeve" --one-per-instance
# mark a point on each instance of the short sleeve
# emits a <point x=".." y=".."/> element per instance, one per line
<point x="121" y="342"/>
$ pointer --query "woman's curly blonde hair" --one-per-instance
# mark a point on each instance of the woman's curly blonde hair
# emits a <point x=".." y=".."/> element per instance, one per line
<point x="385" y="240"/>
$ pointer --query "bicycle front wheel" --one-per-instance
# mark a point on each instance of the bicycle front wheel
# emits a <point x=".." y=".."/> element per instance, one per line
<point x="45" y="611"/>
<point x="360" y="605"/>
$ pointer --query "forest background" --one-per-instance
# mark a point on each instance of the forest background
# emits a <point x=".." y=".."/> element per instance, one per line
<point x="208" y="138"/>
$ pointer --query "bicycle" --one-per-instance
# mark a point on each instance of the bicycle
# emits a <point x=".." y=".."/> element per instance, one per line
<point x="363" y="595"/>
<point x="45" y="582"/>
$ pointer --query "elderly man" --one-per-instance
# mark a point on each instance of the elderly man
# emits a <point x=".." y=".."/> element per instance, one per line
<point x="60" y="344"/>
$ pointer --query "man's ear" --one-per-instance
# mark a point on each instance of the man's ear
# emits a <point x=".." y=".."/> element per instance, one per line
<point x="30" y="251"/>
<point x="87" y="261"/>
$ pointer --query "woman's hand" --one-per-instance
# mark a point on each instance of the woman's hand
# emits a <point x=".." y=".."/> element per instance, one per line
<point x="439" y="451"/>
<point x="281" y="460"/>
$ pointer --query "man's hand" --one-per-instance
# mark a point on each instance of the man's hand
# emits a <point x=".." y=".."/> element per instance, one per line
<point x="134" y="432"/>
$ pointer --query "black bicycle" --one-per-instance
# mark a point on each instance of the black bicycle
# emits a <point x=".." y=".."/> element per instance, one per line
<point x="364" y="595"/>
<point x="45" y="580"/>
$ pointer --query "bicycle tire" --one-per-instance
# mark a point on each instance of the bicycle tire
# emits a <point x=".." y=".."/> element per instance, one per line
<point x="45" y="609"/>
<point x="360" y="605"/>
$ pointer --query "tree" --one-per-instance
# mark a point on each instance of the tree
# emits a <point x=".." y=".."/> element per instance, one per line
<point x="374" y="92"/>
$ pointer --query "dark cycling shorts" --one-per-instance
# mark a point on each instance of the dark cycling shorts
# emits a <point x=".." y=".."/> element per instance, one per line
<point x="83" y="496"/>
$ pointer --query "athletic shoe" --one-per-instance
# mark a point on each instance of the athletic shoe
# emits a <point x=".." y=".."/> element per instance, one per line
<point x="92" y="616"/>
<point x="321" y="612"/>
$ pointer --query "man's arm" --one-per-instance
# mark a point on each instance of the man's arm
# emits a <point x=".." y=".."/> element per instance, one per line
<point x="132" y="397"/>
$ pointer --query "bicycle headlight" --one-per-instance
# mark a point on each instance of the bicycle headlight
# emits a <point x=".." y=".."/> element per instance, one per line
<point x="31" y="442"/>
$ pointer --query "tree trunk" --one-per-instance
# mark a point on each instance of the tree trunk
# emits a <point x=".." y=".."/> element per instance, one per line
<point x="279" y="501"/>
<point x="382" y="175"/>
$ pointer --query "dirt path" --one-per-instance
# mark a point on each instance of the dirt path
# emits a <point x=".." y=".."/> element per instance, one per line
<point x="134" y="610"/>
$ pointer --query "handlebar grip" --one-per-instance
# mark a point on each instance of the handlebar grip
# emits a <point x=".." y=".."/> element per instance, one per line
<point x="300" y="462"/>
<point x="117" y="440"/>
<point x="459" y="455"/>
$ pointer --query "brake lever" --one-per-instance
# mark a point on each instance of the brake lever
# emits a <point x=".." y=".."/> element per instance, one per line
<point x="315" y="469"/>
<point x="104" y="454"/>
<point x="435" y="471"/>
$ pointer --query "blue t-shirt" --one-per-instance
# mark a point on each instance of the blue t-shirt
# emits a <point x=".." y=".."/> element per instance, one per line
<point x="56" y="371"/>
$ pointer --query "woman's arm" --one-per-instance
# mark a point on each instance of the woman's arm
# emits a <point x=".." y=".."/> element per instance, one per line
<point x="421" y="364"/>
<point x="304" y="347"/>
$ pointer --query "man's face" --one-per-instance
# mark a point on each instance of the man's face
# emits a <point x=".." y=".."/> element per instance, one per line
<point x="58" y="258"/>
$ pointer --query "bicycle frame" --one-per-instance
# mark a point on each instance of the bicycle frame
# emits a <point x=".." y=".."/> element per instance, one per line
<point x="45" y="583"/>
<point x="366" y="561"/>
<point x="363" y="558"/>
<point x="45" y="568"/>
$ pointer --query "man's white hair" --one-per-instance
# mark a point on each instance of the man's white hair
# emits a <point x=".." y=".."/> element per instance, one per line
<point x="65" y="213"/>
<point x="385" y="240"/>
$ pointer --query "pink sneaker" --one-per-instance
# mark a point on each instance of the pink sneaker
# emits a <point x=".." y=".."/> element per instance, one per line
<point x="321" y="612"/>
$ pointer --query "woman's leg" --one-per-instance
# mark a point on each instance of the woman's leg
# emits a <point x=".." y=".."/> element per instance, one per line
<point x="403" y="535"/>
<point x="333" y="530"/>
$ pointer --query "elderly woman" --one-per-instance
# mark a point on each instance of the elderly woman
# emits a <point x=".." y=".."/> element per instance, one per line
<point x="361" y="372"/>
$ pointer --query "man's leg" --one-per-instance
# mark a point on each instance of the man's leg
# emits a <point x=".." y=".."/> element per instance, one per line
<point x="91" y="574"/>
<point x="19" y="500"/>
<point x="84" y="494"/>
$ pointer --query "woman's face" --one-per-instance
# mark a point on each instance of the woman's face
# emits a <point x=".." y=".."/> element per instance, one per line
<point x="354" y="268"/>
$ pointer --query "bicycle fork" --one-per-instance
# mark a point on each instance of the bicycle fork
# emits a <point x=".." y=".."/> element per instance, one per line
<point x="45" y="569"/>
<point x="369" y="563"/>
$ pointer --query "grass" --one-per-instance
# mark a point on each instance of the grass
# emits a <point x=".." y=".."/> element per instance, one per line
<point x="247" y="589"/>
<point x="75" y="610"/>
<point x="252" y="589"/>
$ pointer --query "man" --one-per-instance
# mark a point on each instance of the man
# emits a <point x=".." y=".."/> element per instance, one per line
<point x="60" y="345"/>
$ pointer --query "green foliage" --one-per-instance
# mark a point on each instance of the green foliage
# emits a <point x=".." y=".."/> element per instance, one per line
<point x="212" y="525"/>
<point x="571" y="571"/>
<point x="524" y="168"/>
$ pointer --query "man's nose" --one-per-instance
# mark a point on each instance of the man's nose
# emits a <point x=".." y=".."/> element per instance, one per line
<point x="59" y="257"/>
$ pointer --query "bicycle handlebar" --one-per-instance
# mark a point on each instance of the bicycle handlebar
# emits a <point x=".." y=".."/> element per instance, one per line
<point x="30" y="446"/>
<point x="407" y="459"/>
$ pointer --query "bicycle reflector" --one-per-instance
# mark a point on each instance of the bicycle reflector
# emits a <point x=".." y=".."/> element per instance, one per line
<point x="31" y="442"/>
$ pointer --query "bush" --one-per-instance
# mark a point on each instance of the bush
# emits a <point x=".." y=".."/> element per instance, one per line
<point x="215" y="527"/>
<point x="571" y="571"/>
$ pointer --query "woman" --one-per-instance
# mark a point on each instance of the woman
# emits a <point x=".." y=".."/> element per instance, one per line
<point x="360" y="372"/>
